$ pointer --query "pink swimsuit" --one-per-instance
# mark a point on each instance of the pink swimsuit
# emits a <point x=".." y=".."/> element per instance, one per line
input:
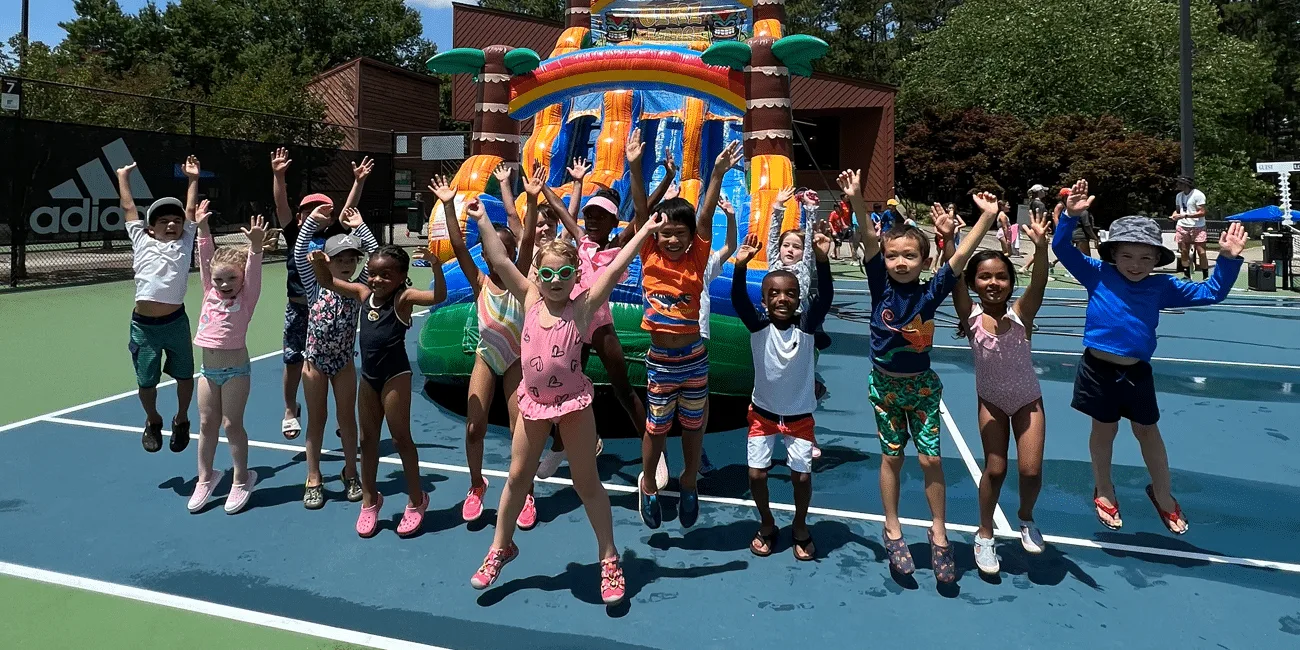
<point x="1004" y="367"/>
<point x="553" y="383"/>
<point x="593" y="261"/>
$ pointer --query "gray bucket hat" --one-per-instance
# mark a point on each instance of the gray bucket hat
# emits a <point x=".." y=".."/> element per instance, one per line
<point x="339" y="243"/>
<point x="1135" y="230"/>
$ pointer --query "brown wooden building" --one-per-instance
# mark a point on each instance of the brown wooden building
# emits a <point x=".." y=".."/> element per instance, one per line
<point x="848" y="123"/>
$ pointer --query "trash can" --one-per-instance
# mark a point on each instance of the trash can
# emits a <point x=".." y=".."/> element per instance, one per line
<point x="1262" y="277"/>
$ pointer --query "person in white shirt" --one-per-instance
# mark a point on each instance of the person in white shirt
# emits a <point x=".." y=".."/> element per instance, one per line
<point x="1190" y="231"/>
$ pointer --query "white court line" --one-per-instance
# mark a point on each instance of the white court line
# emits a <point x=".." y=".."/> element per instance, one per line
<point x="1203" y="362"/>
<point x="785" y="507"/>
<point x="131" y="393"/>
<point x="999" y="518"/>
<point x="212" y="609"/>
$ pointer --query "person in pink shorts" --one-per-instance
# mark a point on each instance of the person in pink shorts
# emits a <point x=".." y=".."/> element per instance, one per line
<point x="1189" y="233"/>
<point x="554" y="392"/>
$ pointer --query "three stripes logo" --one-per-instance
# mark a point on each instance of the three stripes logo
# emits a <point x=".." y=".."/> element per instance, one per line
<point x="100" y="185"/>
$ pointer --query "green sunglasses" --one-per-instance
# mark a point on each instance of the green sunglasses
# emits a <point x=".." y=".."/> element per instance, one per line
<point x="548" y="274"/>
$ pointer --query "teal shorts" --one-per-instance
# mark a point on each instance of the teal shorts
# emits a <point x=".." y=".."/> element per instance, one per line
<point x="151" y="338"/>
<point x="907" y="408"/>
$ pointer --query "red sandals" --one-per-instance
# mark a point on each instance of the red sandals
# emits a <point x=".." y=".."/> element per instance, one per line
<point x="1169" y="519"/>
<point x="1111" y="511"/>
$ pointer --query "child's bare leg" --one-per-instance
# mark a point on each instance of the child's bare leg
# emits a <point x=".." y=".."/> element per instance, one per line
<point x="149" y="400"/>
<point x="692" y="446"/>
<point x="935" y="494"/>
<point x="579" y="431"/>
<point x="234" y="397"/>
<point x="482" y="389"/>
<point x="315" y="388"/>
<point x="184" y="395"/>
<point x="345" y="411"/>
<point x="652" y="447"/>
<point x="758" y="492"/>
<point x="1157" y="462"/>
<point x="529" y="436"/>
<point x="289" y="384"/>
<point x="397" y="412"/>
<point x="995" y="432"/>
<point x="1030" y="425"/>
<point x="1101" y="446"/>
<point x="891" y="469"/>
<point x="371" y="411"/>
<point x="209" y="427"/>
<point x="802" y="498"/>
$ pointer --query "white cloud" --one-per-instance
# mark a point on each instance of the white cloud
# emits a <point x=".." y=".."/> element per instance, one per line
<point x="433" y="4"/>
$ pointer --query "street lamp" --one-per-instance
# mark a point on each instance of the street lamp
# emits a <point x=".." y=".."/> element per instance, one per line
<point x="1185" y="83"/>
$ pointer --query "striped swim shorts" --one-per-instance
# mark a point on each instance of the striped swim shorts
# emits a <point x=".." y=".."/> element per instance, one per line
<point x="677" y="384"/>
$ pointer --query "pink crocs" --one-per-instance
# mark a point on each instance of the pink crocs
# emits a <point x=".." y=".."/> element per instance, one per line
<point x="368" y="520"/>
<point x="413" y="518"/>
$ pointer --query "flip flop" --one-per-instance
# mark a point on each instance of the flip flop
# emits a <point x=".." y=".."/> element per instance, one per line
<point x="768" y="541"/>
<point x="804" y="550"/>
<point x="1170" y="518"/>
<point x="180" y="436"/>
<point x="413" y="518"/>
<point x="1110" y="511"/>
<point x="291" y="427"/>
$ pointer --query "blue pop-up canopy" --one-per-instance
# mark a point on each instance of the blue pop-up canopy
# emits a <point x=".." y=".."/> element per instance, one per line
<point x="1266" y="213"/>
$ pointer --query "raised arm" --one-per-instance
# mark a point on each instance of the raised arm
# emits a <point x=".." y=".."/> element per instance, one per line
<point x="320" y="266"/>
<point x="256" y="235"/>
<point x="524" y="256"/>
<point x="775" y="219"/>
<point x="670" y="175"/>
<point x="192" y="169"/>
<point x="279" y="188"/>
<point x="301" y="259"/>
<point x="599" y="292"/>
<point x="1181" y="293"/>
<point x="724" y="162"/>
<point x="443" y="190"/>
<point x="207" y="245"/>
<point x="821" y="305"/>
<point x="578" y="172"/>
<point x="359" y="174"/>
<point x="503" y="175"/>
<point x="808" y="219"/>
<point x="495" y="253"/>
<point x="567" y="218"/>
<point x="1087" y="270"/>
<point x="428" y="297"/>
<point x="1032" y="299"/>
<point x="988" y="204"/>
<point x="640" y="203"/>
<point x="850" y="182"/>
<point x="129" y="211"/>
<point x="728" y="246"/>
<point x="740" y="285"/>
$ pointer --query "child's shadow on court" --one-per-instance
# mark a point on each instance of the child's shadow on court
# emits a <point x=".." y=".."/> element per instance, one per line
<point x="583" y="580"/>
<point x="1047" y="569"/>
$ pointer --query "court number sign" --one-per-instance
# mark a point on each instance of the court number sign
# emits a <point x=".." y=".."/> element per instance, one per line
<point x="11" y="93"/>
<point x="1276" y="167"/>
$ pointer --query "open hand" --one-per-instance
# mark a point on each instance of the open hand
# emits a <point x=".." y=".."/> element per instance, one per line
<point x="361" y="171"/>
<point x="443" y="190"/>
<point x="280" y="160"/>
<point x="351" y="218"/>
<point x="634" y="147"/>
<point x="784" y="195"/>
<point x="1038" y="226"/>
<point x="318" y="256"/>
<point x="728" y="158"/>
<point x="502" y="174"/>
<point x="673" y="192"/>
<point x="201" y="214"/>
<point x="321" y="215"/>
<point x="1233" y="240"/>
<point x="533" y="186"/>
<point x="748" y="249"/>
<point x="255" y="232"/>
<point x="944" y="223"/>
<point x="669" y="166"/>
<point x="475" y="209"/>
<point x="125" y="172"/>
<point x="726" y="207"/>
<point x="191" y="168"/>
<point x="850" y="182"/>
<point x="1079" y="201"/>
<point x="987" y="203"/>
<point x="579" y="169"/>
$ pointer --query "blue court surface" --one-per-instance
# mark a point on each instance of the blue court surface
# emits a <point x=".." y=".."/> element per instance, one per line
<point x="87" y="501"/>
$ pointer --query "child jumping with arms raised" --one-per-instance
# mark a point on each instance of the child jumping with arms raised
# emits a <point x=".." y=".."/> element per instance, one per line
<point x="1119" y="336"/>
<point x="232" y="283"/>
<point x="784" y="398"/>
<point x="677" y="364"/>
<point x="162" y="248"/>
<point x="387" y="300"/>
<point x="555" y="392"/>
<point x="1010" y="399"/>
<point x="903" y="389"/>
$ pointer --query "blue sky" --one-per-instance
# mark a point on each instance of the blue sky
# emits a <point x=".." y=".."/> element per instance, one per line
<point x="47" y="14"/>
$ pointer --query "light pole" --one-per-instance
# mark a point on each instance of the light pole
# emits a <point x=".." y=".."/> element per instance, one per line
<point x="1185" y="79"/>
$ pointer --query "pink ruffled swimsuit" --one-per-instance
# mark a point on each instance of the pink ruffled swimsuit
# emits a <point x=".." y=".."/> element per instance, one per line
<point x="1004" y="366"/>
<point x="553" y="383"/>
<point x="592" y="261"/>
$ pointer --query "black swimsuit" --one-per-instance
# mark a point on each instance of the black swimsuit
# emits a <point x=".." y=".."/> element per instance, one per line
<point x="383" y="342"/>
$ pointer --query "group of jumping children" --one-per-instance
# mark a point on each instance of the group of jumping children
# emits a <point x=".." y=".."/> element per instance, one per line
<point x="542" y="307"/>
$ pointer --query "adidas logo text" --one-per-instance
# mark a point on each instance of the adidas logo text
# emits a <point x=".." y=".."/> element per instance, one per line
<point x="87" y="215"/>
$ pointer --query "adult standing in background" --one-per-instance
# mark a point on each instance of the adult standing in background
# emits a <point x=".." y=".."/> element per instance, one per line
<point x="1190" y="231"/>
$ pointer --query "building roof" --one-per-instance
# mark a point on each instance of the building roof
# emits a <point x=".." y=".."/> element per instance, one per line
<point x="375" y="63"/>
<point x="479" y="27"/>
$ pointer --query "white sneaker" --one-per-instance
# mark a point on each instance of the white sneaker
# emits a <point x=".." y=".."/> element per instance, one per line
<point x="1030" y="538"/>
<point x="661" y="472"/>
<point x="551" y="461"/>
<point x="986" y="556"/>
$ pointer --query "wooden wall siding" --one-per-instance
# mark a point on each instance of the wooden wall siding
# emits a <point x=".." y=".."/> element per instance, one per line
<point x="393" y="99"/>
<point x="474" y="26"/>
<point x="823" y="91"/>
<point x="880" y="182"/>
<point x="337" y="89"/>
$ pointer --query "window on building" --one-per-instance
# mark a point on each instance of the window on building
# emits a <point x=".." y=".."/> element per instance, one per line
<point x="822" y="135"/>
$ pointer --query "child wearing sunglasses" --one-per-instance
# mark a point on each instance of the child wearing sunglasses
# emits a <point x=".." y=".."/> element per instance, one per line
<point x="554" y="391"/>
